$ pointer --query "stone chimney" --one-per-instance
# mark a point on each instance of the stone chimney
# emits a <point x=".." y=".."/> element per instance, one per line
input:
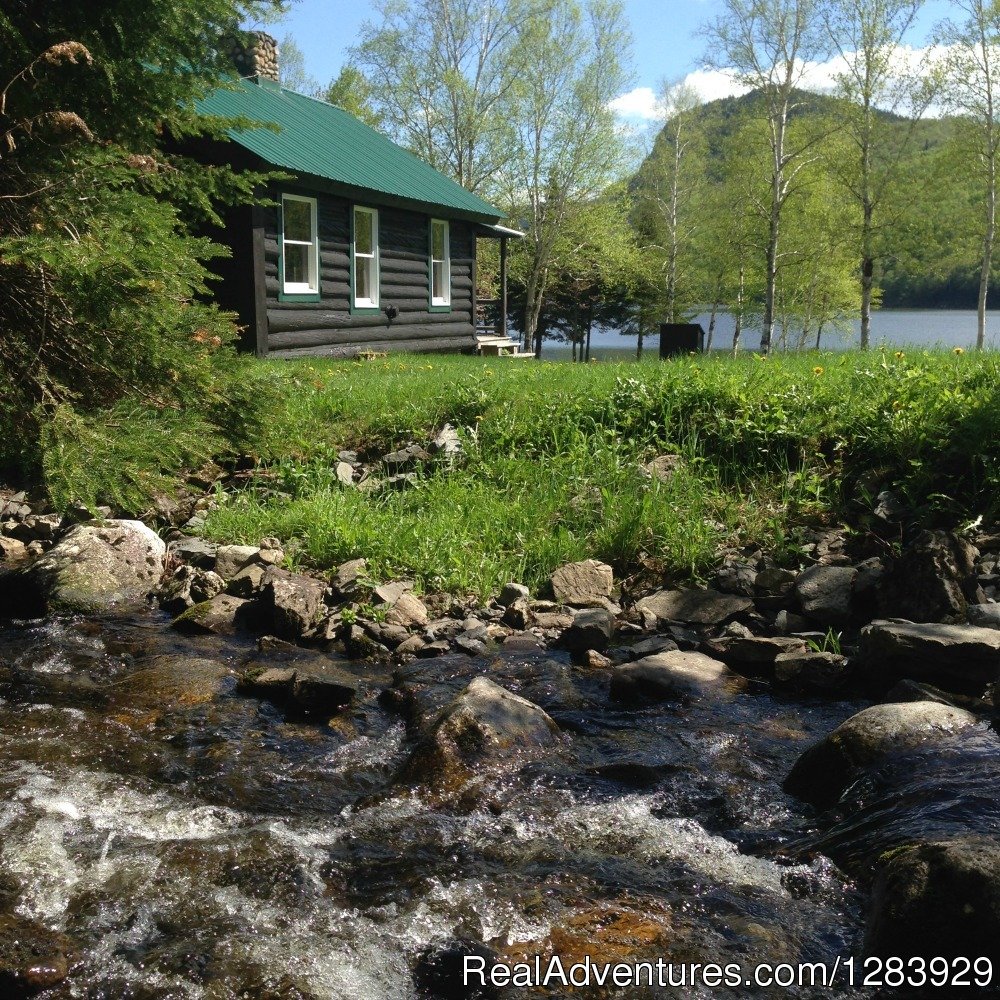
<point x="255" y="53"/>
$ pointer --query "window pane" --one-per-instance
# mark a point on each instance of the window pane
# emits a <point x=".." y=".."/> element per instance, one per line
<point x="298" y="221"/>
<point x="440" y="290"/>
<point x="362" y="232"/>
<point x="297" y="260"/>
<point x="362" y="278"/>
<point x="437" y="240"/>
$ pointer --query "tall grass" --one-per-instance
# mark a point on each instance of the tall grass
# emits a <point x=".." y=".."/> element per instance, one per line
<point x="554" y="454"/>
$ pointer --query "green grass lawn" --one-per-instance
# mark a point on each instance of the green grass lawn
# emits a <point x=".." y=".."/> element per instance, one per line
<point x="554" y="453"/>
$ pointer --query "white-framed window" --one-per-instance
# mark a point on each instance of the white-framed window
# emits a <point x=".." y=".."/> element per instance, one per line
<point x="299" y="245"/>
<point x="440" y="264"/>
<point x="365" y="258"/>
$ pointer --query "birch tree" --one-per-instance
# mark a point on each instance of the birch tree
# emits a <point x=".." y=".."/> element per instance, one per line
<point x="766" y="44"/>
<point x="868" y="38"/>
<point x="971" y="79"/>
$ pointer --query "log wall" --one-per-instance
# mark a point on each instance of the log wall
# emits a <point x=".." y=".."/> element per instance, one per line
<point x="328" y="327"/>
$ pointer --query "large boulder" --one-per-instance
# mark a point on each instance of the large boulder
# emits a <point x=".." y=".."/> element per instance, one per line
<point x="484" y="728"/>
<point x="824" y="594"/>
<point x="672" y="675"/>
<point x="291" y="604"/>
<point x="94" y="567"/>
<point x="591" y="629"/>
<point x="938" y="899"/>
<point x="753" y="654"/>
<point x="822" y="774"/>
<point x="583" y="584"/>
<point x="222" y="615"/>
<point x="693" y="607"/>
<point x="932" y="581"/>
<point x="955" y="657"/>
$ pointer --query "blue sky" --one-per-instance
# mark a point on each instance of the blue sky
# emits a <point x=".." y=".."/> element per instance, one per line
<point x="665" y="40"/>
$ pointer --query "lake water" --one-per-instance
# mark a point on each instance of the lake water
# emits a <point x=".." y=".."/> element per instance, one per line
<point x="890" y="327"/>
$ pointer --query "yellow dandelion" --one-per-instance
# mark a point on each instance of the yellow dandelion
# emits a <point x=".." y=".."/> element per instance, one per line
<point x="897" y="405"/>
<point x="900" y="355"/>
<point x="958" y="350"/>
<point x="818" y="370"/>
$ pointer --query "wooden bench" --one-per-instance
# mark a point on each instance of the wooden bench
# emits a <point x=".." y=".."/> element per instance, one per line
<point x="500" y="347"/>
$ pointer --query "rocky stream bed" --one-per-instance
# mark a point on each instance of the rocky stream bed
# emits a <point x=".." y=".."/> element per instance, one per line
<point x="225" y="780"/>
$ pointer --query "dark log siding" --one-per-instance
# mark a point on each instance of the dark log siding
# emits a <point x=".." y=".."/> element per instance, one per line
<point x="328" y="327"/>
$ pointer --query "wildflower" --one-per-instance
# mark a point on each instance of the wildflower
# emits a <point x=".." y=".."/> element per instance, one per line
<point x="958" y="350"/>
<point x="900" y="355"/>
<point x="818" y="370"/>
<point x="897" y="405"/>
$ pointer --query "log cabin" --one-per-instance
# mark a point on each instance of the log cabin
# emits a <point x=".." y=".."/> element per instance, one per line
<point x="365" y="248"/>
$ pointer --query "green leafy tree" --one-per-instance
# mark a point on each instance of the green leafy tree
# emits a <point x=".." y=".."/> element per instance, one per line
<point x="103" y="320"/>
<point x="352" y="91"/>
<point x="292" y="72"/>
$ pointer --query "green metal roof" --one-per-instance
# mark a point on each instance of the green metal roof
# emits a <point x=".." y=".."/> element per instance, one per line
<point x="320" y="139"/>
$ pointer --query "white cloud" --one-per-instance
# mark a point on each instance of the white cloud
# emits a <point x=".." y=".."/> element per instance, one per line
<point x="714" y="84"/>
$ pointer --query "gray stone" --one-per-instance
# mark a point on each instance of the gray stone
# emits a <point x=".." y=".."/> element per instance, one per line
<point x="410" y="647"/>
<point x="406" y="458"/>
<point x="322" y="691"/>
<point x="984" y="615"/>
<point x="940" y="899"/>
<point x="773" y="582"/>
<point x="12" y="550"/>
<point x="189" y="586"/>
<point x="230" y="559"/>
<point x="932" y="581"/>
<point x="348" y="579"/>
<point x="273" y="683"/>
<point x="194" y="551"/>
<point x="407" y="610"/>
<point x="387" y="633"/>
<point x="787" y="621"/>
<point x="292" y="604"/>
<point x="956" y="657"/>
<point x="824" y="594"/>
<point x="592" y="628"/>
<point x="470" y="645"/>
<point x="822" y="774"/>
<point x="222" y="615"/>
<point x="92" y="568"/>
<point x="345" y="474"/>
<point x="512" y="592"/>
<point x="389" y="593"/>
<point x="809" y="670"/>
<point x="517" y="614"/>
<point x="753" y="654"/>
<point x="485" y="727"/>
<point x="694" y="607"/>
<point x="663" y="468"/>
<point x="736" y="576"/>
<point x="248" y="581"/>
<point x="672" y="675"/>
<point x="447" y="442"/>
<point x="646" y="647"/>
<point x="439" y="647"/>
<point x="583" y="583"/>
<point x="271" y="552"/>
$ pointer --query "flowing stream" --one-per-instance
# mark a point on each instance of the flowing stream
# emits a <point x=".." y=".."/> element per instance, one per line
<point x="195" y="843"/>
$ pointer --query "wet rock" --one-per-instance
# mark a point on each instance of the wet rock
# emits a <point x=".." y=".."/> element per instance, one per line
<point x="829" y="767"/>
<point x="474" y="647"/>
<point x="230" y="559"/>
<point x="189" y="586"/>
<point x="955" y="657"/>
<point x="753" y="654"/>
<point x="194" y="551"/>
<point x="671" y="675"/>
<point x="522" y="642"/>
<point x="291" y="604"/>
<point x="348" y="579"/>
<point x="694" y="607"/>
<point x="440" y="972"/>
<point x="32" y="957"/>
<point x="322" y="690"/>
<point x="583" y="583"/>
<point x="940" y="899"/>
<point x="825" y="594"/>
<point x="485" y="727"/>
<point x="811" y="670"/>
<point x="439" y="647"/>
<point x="513" y="592"/>
<point x="932" y="581"/>
<point x="591" y="629"/>
<point x="646" y="647"/>
<point x="407" y="611"/>
<point x="12" y="549"/>
<point x="172" y="682"/>
<point x="984" y="615"/>
<point x="411" y="646"/>
<point x="273" y="683"/>
<point x="222" y="615"/>
<point x="92" y="568"/>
